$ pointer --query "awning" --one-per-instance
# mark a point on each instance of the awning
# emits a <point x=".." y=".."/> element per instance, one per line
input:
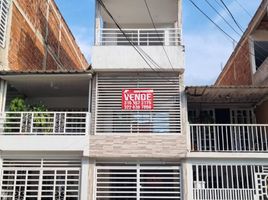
<point x="226" y="94"/>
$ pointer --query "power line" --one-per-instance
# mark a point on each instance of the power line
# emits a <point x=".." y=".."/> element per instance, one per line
<point x="222" y="17"/>
<point x="241" y="6"/>
<point x="133" y="45"/>
<point x="228" y="35"/>
<point x="200" y="10"/>
<point x="232" y="16"/>
<point x="239" y="26"/>
<point x="148" y="9"/>
<point x="124" y="34"/>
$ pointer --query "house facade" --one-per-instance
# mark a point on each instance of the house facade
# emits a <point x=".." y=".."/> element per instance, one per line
<point x="128" y="128"/>
<point x="35" y="36"/>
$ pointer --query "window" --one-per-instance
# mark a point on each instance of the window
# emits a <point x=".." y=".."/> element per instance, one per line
<point x="4" y="8"/>
<point x="44" y="179"/>
<point x="138" y="181"/>
<point x="261" y="53"/>
<point x="232" y="182"/>
<point x="164" y="118"/>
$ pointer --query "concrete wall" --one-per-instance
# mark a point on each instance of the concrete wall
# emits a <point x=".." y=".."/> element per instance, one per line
<point x="39" y="38"/>
<point x="125" y="57"/>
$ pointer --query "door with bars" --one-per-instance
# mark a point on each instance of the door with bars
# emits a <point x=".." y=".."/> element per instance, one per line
<point x="40" y="179"/>
<point x="138" y="181"/>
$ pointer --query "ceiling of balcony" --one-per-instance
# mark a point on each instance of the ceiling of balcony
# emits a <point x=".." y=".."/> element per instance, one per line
<point x="135" y="11"/>
<point x="50" y="85"/>
<point x="226" y="94"/>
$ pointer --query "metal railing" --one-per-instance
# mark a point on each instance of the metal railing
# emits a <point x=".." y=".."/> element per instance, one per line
<point x="229" y="137"/>
<point x="223" y="194"/>
<point x="44" y="123"/>
<point x="140" y="37"/>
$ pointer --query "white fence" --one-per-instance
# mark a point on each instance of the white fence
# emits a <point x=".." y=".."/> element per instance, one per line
<point x="227" y="182"/>
<point x="229" y="137"/>
<point x="43" y="123"/>
<point x="140" y="37"/>
<point x="223" y="194"/>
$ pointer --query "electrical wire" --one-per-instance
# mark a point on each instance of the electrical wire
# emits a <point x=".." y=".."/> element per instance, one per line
<point x="152" y="21"/>
<point x="228" y="35"/>
<point x="232" y="16"/>
<point x="241" y="6"/>
<point x="143" y="54"/>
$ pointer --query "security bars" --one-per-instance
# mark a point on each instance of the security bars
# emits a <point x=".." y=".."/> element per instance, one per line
<point x="164" y="118"/>
<point x="138" y="181"/>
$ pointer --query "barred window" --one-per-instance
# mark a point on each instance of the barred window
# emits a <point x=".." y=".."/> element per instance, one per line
<point x="40" y="179"/>
<point x="165" y="117"/>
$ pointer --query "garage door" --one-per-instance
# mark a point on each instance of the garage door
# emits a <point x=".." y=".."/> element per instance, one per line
<point x="138" y="181"/>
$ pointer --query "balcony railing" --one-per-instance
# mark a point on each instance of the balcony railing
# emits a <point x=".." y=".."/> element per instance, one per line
<point x="44" y="123"/>
<point x="139" y="37"/>
<point x="229" y="137"/>
<point x="223" y="194"/>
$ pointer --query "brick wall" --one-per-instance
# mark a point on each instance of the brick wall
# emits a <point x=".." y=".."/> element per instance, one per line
<point x="40" y="44"/>
<point x="238" y="70"/>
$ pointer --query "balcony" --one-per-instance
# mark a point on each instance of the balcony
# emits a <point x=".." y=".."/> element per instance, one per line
<point x="139" y="37"/>
<point x="113" y="51"/>
<point x="53" y="115"/>
<point x="44" y="123"/>
<point x="229" y="138"/>
<point x="228" y="120"/>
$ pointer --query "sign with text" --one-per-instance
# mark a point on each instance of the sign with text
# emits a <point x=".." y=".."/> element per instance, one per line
<point x="137" y="99"/>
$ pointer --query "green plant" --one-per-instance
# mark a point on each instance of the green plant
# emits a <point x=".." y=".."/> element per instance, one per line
<point x="18" y="105"/>
<point x="40" y="118"/>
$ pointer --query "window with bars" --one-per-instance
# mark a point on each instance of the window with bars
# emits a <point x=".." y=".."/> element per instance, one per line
<point x="232" y="182"/>
<point x="4" y="9"/>
<point x="41" y="179"/>
<point x="164" y="118"/>
<point x="138" y="181"/>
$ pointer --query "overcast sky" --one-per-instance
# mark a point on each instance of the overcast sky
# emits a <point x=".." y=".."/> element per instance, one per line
<point x="207" y="48"/>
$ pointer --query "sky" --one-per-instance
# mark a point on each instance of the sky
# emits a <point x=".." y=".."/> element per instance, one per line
<point x="206" y="48"/>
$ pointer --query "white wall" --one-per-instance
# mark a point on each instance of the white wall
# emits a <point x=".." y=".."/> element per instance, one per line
<point x="126" y="58"/>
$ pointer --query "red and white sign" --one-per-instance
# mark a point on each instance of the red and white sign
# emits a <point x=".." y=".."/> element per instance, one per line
<point x="137" y="99"/>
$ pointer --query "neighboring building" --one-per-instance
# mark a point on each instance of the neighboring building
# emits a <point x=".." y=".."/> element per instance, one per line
<point x="228" y="134"/>
<point x="248" y="62"/>
<point x="34" y="36"/>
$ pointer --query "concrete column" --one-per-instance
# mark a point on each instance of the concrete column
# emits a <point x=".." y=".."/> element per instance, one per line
<point x="3" y="93"/>
<point x="84" y="192"/>
<point x="187" y="180"/>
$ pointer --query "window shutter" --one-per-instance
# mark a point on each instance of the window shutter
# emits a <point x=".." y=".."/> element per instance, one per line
<point x="138" y="181"/>
<point x="164" y="118"/>
<point x="4" y="8"/>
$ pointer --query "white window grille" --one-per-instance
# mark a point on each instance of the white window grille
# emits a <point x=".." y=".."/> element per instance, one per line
<point x="44" y="179"/>
<point x="164" y="118"/>
<point x="232" y="182"/>
<point x="4" y="9"/>
<point x="138" y="181"/>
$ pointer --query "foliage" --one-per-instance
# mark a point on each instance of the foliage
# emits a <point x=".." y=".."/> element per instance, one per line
<point x="40" y="118"/>
<point x="18" y="105"/>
